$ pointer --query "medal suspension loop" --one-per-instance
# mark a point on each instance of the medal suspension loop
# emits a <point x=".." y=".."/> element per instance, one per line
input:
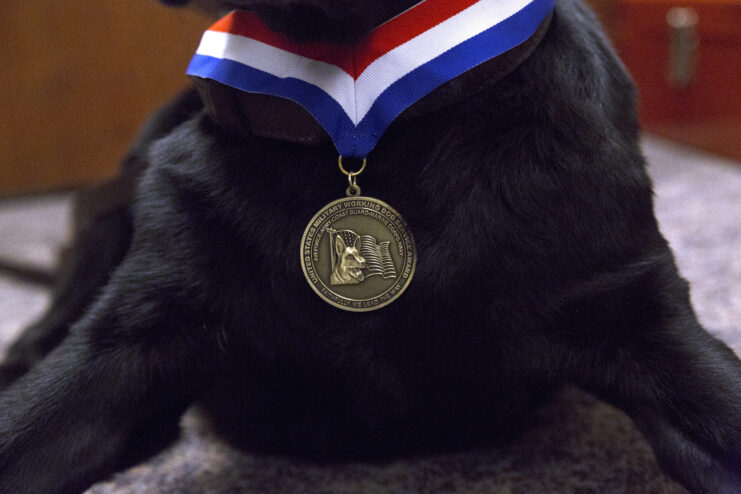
<point x="352" y="177"/>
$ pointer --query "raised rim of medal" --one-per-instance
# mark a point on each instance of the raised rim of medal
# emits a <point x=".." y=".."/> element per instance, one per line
<point x="411" y="252"/>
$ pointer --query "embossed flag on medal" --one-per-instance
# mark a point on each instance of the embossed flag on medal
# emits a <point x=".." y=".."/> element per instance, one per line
<point x="355" y="92"/>
<point x="376" y="255"/>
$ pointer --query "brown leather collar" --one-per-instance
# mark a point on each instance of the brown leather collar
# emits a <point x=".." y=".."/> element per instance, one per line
<point x="278" y="118"/>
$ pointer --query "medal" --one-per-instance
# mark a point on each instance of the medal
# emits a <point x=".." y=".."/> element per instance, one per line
<point x="358" y="253"/>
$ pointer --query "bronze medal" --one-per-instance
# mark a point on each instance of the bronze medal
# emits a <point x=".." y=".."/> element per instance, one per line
<point x="357" y="253"/>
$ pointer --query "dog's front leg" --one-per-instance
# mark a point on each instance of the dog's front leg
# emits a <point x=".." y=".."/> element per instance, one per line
<point x="133" y="359"/>
<point x="680" y="385"/>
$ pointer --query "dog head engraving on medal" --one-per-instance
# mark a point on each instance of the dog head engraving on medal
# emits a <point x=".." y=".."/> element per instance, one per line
<point x="356" y="258"/>
<point x="349" y="265"/>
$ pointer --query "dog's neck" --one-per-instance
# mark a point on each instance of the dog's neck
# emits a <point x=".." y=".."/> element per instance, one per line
<point x="262" y="115"/>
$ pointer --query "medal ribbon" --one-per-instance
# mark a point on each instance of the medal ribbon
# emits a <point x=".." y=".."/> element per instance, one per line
<point x="355" y="92"/>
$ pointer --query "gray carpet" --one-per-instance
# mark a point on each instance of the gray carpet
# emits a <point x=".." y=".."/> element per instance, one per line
<point x="32" y="232"/>
<point x="576" y="444"/>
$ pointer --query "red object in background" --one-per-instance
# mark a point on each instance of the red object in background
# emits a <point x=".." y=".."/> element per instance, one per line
<point x="687" y="65"/>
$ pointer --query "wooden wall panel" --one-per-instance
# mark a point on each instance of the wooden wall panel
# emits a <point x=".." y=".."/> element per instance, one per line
<point x="77" y="80"/>
<point x="707" y="112"/>
<point x="607" y="12"/>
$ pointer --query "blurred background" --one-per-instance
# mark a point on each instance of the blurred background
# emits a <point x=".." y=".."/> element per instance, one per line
<point x="685" y="57"/>
<point x="80" y="76"/>
<point x="78" y="79"/>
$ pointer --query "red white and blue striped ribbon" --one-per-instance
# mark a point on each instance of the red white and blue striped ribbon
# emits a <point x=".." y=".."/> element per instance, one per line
<point x="355" y="92"/>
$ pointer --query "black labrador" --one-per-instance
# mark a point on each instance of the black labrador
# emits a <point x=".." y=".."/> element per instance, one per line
<point x="540" y="264"/>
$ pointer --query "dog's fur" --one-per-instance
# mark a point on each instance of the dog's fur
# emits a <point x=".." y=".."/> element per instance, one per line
<point x="540" y="264"/>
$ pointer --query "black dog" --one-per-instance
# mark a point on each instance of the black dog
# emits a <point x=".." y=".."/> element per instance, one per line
<point x="540" y="264"/>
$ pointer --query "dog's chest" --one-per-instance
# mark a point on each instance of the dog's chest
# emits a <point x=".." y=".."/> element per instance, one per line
<point x="444" y="254"/>
<point x="264" y="194"/>
<point x="239" y="208"/>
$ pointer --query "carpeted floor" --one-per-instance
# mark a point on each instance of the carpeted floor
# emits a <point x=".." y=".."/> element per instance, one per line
<point x="576" y="443"/>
